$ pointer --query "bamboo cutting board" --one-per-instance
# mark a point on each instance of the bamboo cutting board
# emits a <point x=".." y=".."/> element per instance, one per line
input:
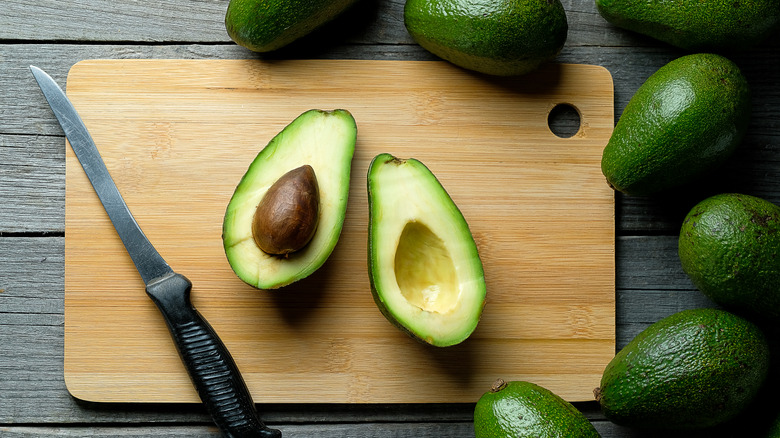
<point x="177" y="135"/>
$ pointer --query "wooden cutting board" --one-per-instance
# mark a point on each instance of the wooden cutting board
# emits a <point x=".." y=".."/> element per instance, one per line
<point x="177" y="135"/>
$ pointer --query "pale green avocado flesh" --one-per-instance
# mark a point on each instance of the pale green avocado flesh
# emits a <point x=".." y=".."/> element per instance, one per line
<point x="325" y="140"/>
<point x="425" y="272"/>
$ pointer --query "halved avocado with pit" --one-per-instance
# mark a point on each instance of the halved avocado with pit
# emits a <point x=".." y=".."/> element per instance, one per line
<point x="321" y="140"/>
<point x="425" y="272"/>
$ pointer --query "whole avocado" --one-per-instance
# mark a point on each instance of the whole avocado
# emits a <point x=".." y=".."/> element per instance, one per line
<point x="686" y="119"/>
<point x="267" y="25"/>
<point x="693" y="369"/>
<point x="503" y="38"/>
<point x="729" y="245"/>
<point x="696" y="25"/>
<point x="522" y="409"/>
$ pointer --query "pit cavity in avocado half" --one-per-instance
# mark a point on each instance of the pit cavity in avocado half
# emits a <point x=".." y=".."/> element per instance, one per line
<point x="323" y="140"/>
<point x="425" y="272"/>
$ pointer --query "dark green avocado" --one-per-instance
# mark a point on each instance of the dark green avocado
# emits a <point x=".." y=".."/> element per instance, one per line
<point x="525" y="410"/>
<point x="729" y="245"/>
<point x="696" y="25"/>
<point x="691" y="370"/>
<point x="685" y="120"/>
<point x="267" y="25"/>
<point x="504" y="38"/>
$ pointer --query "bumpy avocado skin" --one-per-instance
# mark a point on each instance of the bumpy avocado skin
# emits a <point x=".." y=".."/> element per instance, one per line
<point x="774" y="429"/>
<point x="729" y="245"/>
<point x="503" y="38"/>
<point x="268" y="25"/>
<point x="696" y="25"/>
<point x="691" y="370"/>
<point x="522" y="409"/>
<point x="686" y="119"/>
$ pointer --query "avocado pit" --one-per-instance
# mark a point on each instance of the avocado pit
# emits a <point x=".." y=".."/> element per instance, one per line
<point x="287" y="216"/>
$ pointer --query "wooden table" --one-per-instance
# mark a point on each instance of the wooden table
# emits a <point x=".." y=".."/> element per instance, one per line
<point x="55" y="35"/>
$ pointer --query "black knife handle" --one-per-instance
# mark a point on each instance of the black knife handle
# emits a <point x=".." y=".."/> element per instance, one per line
<point x="209" y="364"/>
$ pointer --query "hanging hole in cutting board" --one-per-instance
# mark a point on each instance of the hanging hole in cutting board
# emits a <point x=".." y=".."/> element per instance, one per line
<point x="564" y="120"/>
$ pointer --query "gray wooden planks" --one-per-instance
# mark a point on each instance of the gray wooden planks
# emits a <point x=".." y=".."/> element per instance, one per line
<point x="55" y="35"/>
<point x="198" y="21"/>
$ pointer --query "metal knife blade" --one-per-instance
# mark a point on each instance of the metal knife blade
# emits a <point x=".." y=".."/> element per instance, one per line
<point x="147" y="260"/>
<point x="209" y="364"/>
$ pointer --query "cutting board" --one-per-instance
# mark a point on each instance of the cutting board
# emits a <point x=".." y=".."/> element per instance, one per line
<point x="177" y="135"/>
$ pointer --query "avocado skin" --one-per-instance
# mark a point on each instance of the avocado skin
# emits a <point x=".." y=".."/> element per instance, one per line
<point x="729" y="245"/>
<point x="696" y="25"/>
<point x="504" y="38"/>
<point x="691" y="370"/>
<point x="268" y="25"/>
<point x="774" y="428"/>
<point x="524" y="409"/>
<point x="686" y="119"/>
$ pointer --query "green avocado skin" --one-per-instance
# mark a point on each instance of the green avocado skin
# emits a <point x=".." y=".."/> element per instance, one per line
<point x="729" y="245"/>
<point x="686" y="119"/>
<point x="526" y="410"/>
<point x="696" y="25"/>
<point x="268" y="25"/>
<point x="774" y="428"/>
<point x="502" y="38"/>
<point x="691" y="370"/>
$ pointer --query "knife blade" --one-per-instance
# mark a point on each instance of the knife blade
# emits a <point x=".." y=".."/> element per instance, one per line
<point x="211" y="368"/>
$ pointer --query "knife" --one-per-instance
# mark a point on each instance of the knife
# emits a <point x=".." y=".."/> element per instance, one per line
<point x="211" y="368"/>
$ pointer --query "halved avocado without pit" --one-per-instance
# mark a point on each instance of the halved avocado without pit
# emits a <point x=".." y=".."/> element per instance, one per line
<point x="425" y="272"/>
<point x="295" y="190"/>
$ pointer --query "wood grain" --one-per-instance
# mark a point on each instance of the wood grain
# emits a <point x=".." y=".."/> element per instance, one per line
<point x="177" y="136"/>
<point x="56" y="35"/>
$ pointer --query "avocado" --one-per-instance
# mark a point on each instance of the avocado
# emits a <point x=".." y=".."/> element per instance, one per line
<point x="691" y="370"/>
<point x="729" y="245"/>
<point x="685" y="120"/>
<point x="504" y="38"/>
<point x="521" y="409"/>
<point x="425" y="273"/>
<point x="267" y="25"/>
<point x="696" y="25"/>
<point x="310" y="158"/>
<point x="774" y="428"/>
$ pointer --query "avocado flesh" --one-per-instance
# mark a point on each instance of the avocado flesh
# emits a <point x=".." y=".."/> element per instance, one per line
<point x="325" y="140"/>
<point x="425" y="272"/>
<point x="691" y="370"/>
<point x="268" y="25"/>
<point x="504" y="38"/>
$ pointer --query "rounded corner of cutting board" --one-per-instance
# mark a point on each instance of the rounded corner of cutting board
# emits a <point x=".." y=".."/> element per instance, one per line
<point x="80" y="69"/>
<point x="602" y="71"/>
<point x="78" y="390"/>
